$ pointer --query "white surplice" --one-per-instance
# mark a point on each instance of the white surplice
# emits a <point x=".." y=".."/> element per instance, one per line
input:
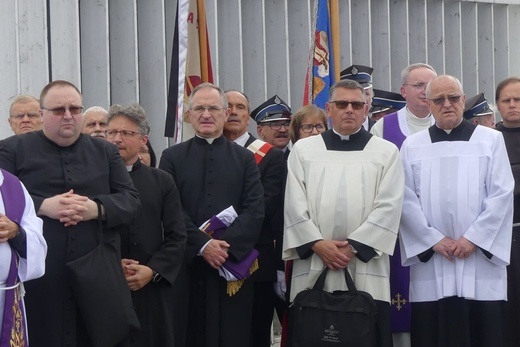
<point x="34" y="265"/>
<point x="457" y="189"/>
<point x="335" y="195"/>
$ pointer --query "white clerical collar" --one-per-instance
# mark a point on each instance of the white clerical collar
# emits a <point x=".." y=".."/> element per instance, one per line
<point x="208" y="139"/>
<point x="242" y="139"/>
<point x="413" y="117"/>
<point x="129" y="168"/>
<point x="345" y="137"/>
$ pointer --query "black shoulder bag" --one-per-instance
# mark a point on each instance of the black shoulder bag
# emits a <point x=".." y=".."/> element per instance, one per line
<point x="342" y="318"/>
<point x="102" y="294"/>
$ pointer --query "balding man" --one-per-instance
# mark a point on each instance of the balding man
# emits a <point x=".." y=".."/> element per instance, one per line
<point x="24" y="114"/>
<point x="95" y="122"/>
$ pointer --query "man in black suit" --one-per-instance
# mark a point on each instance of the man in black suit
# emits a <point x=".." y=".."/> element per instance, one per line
<point x="271" y="164"/>
<point x="212" y="174"/>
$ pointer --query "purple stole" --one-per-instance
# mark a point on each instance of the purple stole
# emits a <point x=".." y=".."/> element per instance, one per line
<point x="13" y="333"/>
<point x="400" y="309"/>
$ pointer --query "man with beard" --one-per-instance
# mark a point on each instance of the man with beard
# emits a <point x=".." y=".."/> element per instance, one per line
<point x="95" y="123"/>
<point x="273" y="118"/>
<point x="271" y="164"/>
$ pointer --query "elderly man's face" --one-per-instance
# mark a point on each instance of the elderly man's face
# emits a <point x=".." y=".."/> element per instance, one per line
<point x="446" y="102"/>
<point x="347" y="109"/>
<point x="95" y="124"/>
<point x="25" y="117"/>
<point x="125" y="134"/>
<point x="238" y="119"/>
<point x="62" y="115"/>
<point x="207" y="114"/>
<point x="509" y="105"/>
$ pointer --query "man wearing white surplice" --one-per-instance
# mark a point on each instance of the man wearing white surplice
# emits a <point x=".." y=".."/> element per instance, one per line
<point x="343" y="203"/>
<point x="456" y="225"/>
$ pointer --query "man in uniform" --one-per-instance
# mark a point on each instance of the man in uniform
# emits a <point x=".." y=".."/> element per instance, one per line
<point x="212" y="174"/>
<point x="325" y="222"/>
<point x="271" y="164"/>
<point x="478" y="112"/>
<point x="455" y="230"/>
<point x="68" y="175"/>
<point x="385" y="103"/>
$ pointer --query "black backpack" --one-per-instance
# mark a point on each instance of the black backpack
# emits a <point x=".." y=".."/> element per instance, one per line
<point x="342" y="318"/>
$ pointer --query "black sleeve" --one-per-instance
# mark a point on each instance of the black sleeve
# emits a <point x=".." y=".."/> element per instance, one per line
<point x="364" y="253"/>
<point x="19" y="243"/>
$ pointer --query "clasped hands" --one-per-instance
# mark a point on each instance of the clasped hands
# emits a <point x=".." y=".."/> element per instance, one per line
<point x="449" y="248"/>
<point x="69" y="208"/>
<point x="8" y="228"/>
<point x="215" y="253"/>
<point x="334" y="254"/>
<point x="136" y="275"/>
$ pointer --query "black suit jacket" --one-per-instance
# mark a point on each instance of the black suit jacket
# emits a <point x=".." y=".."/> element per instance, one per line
<point x="272" y="173"/>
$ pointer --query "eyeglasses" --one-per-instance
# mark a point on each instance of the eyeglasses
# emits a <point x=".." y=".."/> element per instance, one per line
<point x="124" y="133"/>
<point x="307" y="128"/>
<point x="60" y="111"/>
<point x="201" y="109"/>
<point x="452" y="100"/>
<point x="21" y="116"/>
<point x="342" y="105"/>
<point x="277" y="125"/>
<point x="417" y="86"/>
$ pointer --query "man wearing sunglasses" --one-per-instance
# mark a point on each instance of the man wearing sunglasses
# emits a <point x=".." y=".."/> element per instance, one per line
<point x="343" y="203"/>
<point x="273" y="118"/>
<point x="70" y="177"/>
<point x="456" y="225"/>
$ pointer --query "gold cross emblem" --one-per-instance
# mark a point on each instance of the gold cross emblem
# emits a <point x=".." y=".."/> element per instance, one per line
<point x="399" y="302"/>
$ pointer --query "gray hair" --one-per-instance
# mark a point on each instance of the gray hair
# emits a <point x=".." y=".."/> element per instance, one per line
<point x="23" y="99"/>
<point x="223" y="97"/>
<point x="346" y="84"/>
<point x="406" y="72"/>
<point x="133" y="112"/>
<point x="428" y="87"/>
<point x="96" y="109"/>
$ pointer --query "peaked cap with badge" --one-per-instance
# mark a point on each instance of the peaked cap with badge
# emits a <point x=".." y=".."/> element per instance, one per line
<point x="477" y="106"/>
<point x="272" y="110"/>
<point x="384" y="100"/>
<point x="359" y="73"/>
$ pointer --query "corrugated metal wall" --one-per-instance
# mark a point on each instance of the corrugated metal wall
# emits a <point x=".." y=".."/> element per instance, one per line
<point x="119" y="51"/>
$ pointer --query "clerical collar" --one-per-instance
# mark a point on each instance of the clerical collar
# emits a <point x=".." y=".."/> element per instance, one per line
<point x="345" y="137"/>
<point x="242" y="139"/>
<point x="208" y="139"/>
<point x="448" y="131"/>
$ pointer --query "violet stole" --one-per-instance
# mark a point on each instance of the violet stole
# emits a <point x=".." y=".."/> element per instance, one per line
<point x="13" y="332"/>
<point x="242" y="269"/>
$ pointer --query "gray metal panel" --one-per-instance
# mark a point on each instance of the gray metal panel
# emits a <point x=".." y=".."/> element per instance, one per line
<point x="435" y="38"/>
<point x="253" y="36"/>
<point x="513" y="22"/>
<point x="470" y="48"/>
<point x="230" y="45"/>
<point x="276" y="51"/>
<point x="500" y="47"/>
<point x="381" y="44"/>
<point x="123" y="51"/>
<point x="65" y="41"/>
<point x="345" y="29"/>
<point x="417" y="32"/>
<point x="399" y="42"/>
<point x="95" y="53"/>
<point x="33" y="46"/>
<point x="453" y="40"/>
<point x="485" y="49"/>
<point x="361" y="32"/>
<point x="152" y="68"/>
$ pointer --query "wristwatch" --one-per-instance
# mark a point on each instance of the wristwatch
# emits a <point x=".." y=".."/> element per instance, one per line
<point x="156" y="277"/>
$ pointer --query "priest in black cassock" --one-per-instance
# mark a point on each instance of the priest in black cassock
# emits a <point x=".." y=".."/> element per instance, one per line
<point x="212" y="174"/>
<point x="508" y="103"/>
<point x="152" y="248"/>
<point x="271" y="164"/>
<point x="68" y="174"/>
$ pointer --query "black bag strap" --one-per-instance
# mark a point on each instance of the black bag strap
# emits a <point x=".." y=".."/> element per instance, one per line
<point x="99" y="223"/>
<point x="320" y="282"/>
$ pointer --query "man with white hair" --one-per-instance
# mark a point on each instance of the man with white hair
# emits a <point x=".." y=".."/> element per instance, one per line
<point x="95" y="122"/>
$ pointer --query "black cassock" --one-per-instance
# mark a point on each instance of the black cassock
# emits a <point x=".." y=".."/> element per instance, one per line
<point x="512" y="140"/>
<point x="93" y="168"/>
<point x="157" y="239"/>
<point x="210" y="178"/>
